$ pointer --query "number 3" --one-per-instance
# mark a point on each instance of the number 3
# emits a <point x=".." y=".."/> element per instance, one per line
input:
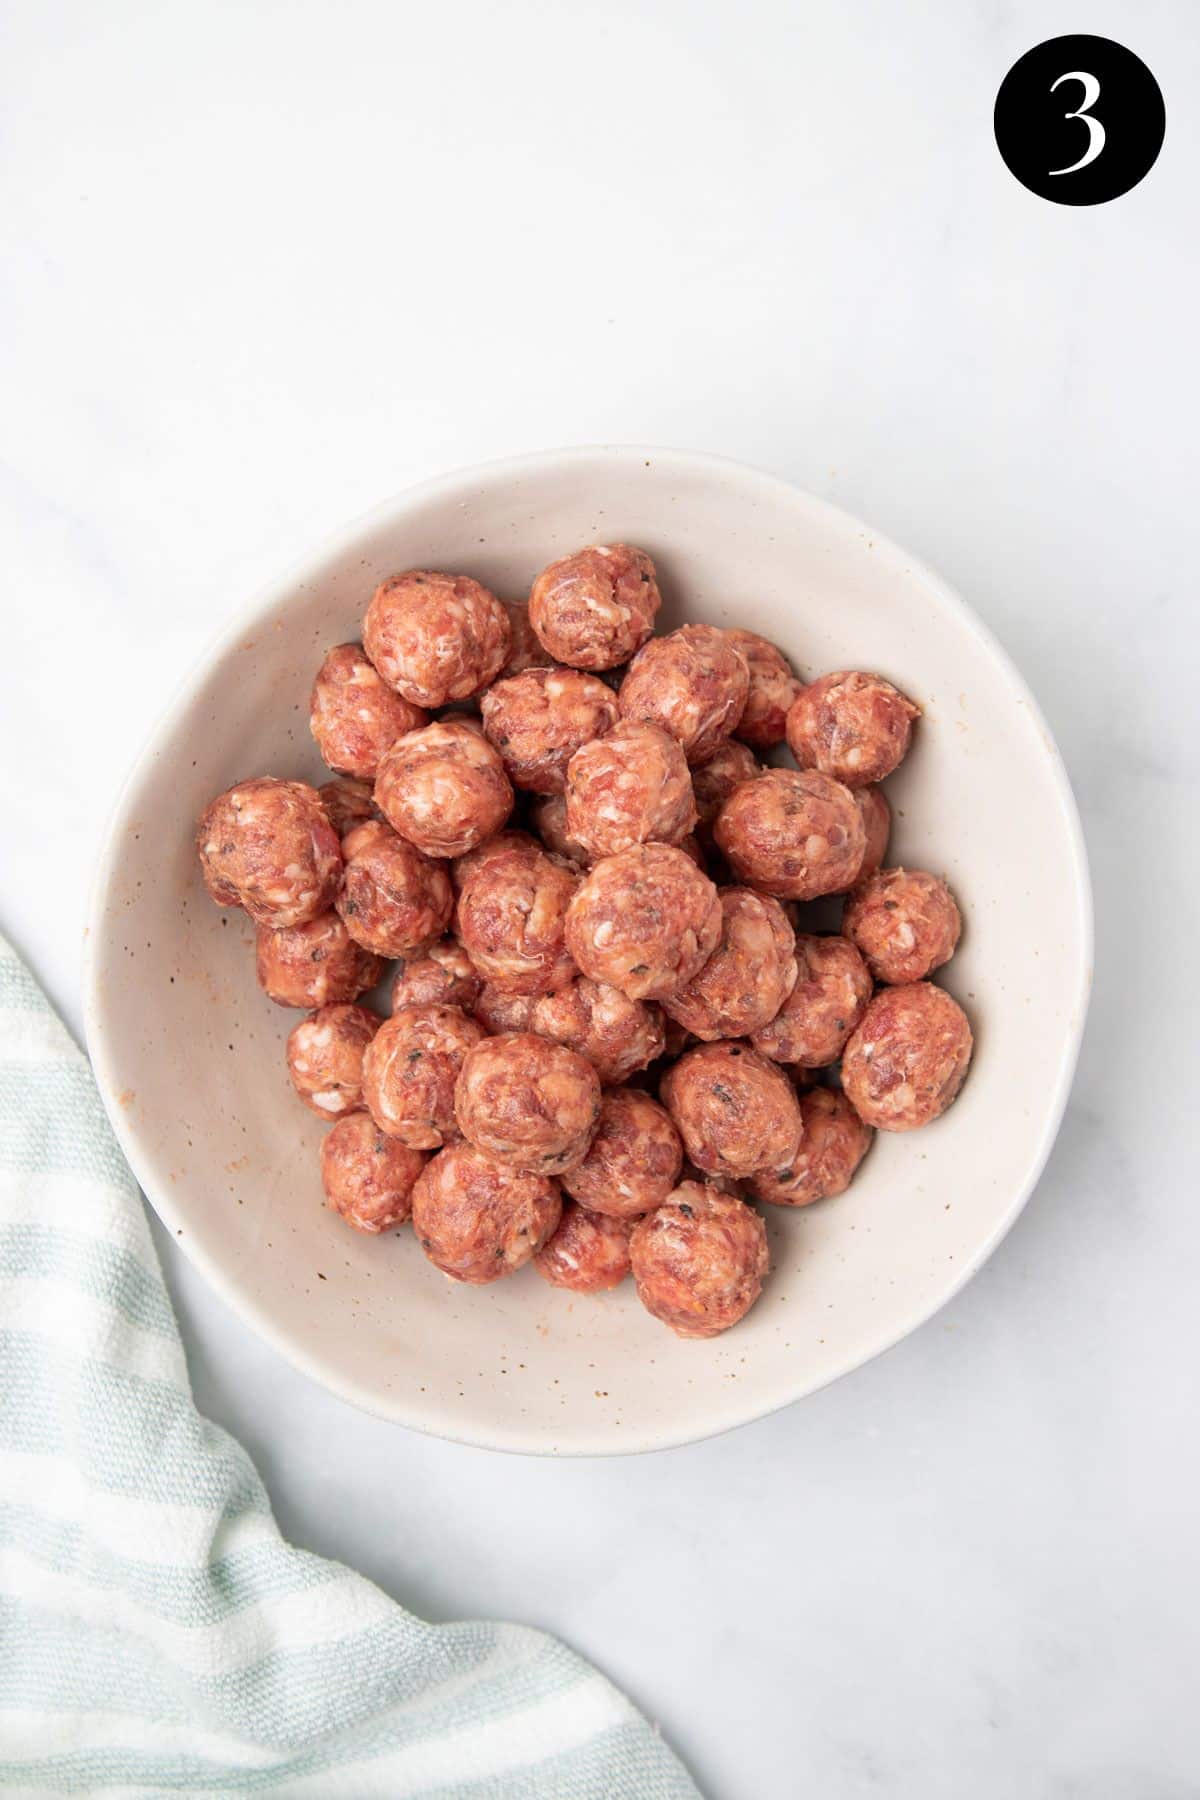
<point x="1091" y="93"/>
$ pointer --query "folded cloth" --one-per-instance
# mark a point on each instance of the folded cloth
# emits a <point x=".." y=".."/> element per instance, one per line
<point x="157" y="1636"/>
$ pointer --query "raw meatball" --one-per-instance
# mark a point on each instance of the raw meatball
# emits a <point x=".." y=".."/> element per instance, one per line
<point x="410" y="1072"/>
<point x="530" y="1104"/>
<point x="463" y="866"/>
<point x="443" y="975"/>
<point x="267" y="845"/>
<point x="748" y="976"/>
<point x="694" y="683"/>
<point x="511" y="915"/>
<point x="393" y="899"/>
<point x="325" y="1058"/>
<point x="549" y="818"/>
<point x="617" y="1035"/>
<point x="852" y="726"/>
<point x="588" y="1253"/>
<point x="773" y="688"/>
<point x="593" y="609"/>
<point x="498" y="1011"/>
<point x="699" y="1261"/>
<point x="715" y="778"/>
<point x="366" y="832"/>
<point x="354" y="715"/>
<point x="908" y="1058"/>
<point x="367" y="1176"/>
<point x="317" y="964"/>
<point x="830" y="996"/>
<point x="436" y="638"/>
<point x="347" y="803"/>
<point x="538" y="720"/>
<point x="735" y="1111"/>
<point x="477" y="1219"/>
<point x="834" y="1143"/>
<point x="644" y="921"/>
<point x="905" y="922"/>
<point x="877" y="822"/>
<point x="444" y="789"/>
<point x="629" y="787"/>
<point x="526" y="652"/>
<point x="633" y="1161"/>
<point x="793" y="833"/>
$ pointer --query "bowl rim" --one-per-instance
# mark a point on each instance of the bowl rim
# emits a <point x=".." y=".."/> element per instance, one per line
<point x="273" y="592"/>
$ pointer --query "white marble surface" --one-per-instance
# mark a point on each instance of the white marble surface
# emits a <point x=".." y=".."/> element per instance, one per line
<point x="262" y="264"/>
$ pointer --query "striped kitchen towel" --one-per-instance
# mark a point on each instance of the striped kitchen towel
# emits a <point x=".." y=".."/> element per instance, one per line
<point x="157" y="1636"/>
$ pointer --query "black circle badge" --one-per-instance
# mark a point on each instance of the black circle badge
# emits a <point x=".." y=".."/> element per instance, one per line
<point x="1079" y="120"/>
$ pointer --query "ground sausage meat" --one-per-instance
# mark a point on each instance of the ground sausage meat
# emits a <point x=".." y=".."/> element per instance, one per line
<point x="617" y="1035"/>
<point x="549" y="816"/>
<point x="325" y="1058"/>
<point x="644" y="921"/>
<point x="700" y="1260"/>
<point x="367" y="1176"/>
<point x="852" y="726"/>
<point x="476" y="1219"/>
<point x="268" y="845"/>
<point x="316" y="964"/>
<point x="793" y="833"/>
<point x="773" y="688"/>
<point x="634" y="1159"/>
<point x="411" y="1069"/>
<point x="877" y="823"/>
<point x="593" y="609"/>
<point x="463" y="866"/>
<point x="367" y="831"/>
<point x="631" y="786"/>
<point x="715" y="778"/>
<point x="526" y="651"/>
<point x="735" y="1111"/>
<point x="499" y="1011"/>
<point x="589" y="1253"/>
<point x="908" y="1058"/>
<point x="905" y="922"/>
<point x="748" y="976"/>
<point x="529" y="1103"/>
<point x="834" y="1143"/>
<point x="829" y="997"/>
<point x="444" y="789"/>
<point x="354" y="715"/>
<point x="443" y="975"/>
<point x="511" y="919"/>
<point x="694" y="683"/>
<point x="539" y="719"/>
<point x="393" y="899"/>
<point x="436" y="638"/>
<point x="347" y="803"/>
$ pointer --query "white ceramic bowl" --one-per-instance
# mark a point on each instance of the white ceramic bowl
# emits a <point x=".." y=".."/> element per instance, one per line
<point x="189" y="1052"/>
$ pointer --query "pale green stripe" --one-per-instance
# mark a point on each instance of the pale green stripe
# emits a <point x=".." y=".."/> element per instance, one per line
<point x="206" y="1594"/>
<point x="51" y="1118"/>
<point x="126" y="1434"/>
<point x="626" y="1760"/>
<point x="383" y="1683"/>
<point x="99" y="1268"/>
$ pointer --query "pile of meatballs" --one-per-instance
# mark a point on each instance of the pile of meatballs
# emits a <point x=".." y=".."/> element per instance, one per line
<point x="610" y="1029"/>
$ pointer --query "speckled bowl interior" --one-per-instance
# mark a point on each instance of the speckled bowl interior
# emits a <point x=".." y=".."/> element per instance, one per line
<point x="189" y="1052"/>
